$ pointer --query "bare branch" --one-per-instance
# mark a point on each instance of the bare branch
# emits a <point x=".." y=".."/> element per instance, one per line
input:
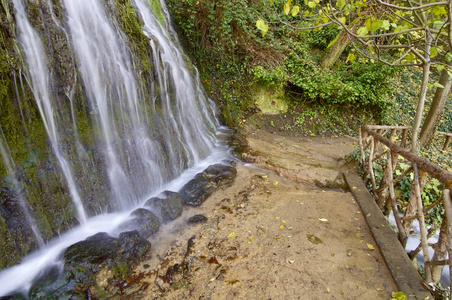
<point x="413" y="8"/>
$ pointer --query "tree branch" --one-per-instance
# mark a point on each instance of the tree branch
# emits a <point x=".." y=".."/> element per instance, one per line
<point x="413" y="7"/>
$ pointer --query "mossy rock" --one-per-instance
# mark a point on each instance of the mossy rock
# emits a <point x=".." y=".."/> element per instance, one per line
<point x="269" y="101"/>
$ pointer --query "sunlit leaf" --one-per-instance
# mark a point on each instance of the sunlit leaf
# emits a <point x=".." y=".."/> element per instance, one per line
<point x="295" y="10"/>
<point x="398" y="296"/>
<point x="323" y="220"/>
<point x="438" y="85"/>
<point x="362" y="31"/>
<point x="351" y="57"/>
<point x="370" y="246"/>
<point x="340" y="4"/>
<point x="311" y="4"/>
<point x="287" y="7"/>
<point x="262" y="26"/>
<point x="272" y="3"/>
<point x="433" y="52"/>
<point x="342" y="20"/>
<point x="439" y="10"/>
<point x="438" y="24"/>
<point x="231" y="234"/>
<point x="440" y="68"/>
<point x="385" y="25"/>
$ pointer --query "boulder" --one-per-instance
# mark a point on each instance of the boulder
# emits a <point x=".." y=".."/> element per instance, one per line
<point x="167" y="206"/>
<point x="91" y="266"/>
<point x="196" y="191"/>
<point x="142" y="220"/>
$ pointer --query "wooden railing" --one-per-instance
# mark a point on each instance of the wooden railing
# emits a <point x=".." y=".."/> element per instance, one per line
<point x="384" y="156"/>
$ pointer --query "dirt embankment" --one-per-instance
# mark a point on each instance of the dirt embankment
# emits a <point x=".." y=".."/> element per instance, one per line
<point x="285" y="229"/>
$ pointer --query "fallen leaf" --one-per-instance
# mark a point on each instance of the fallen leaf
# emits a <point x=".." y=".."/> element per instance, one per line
<point x="313" y="239"/>
<point x="398" y="296"/>
<point x="370" y="246"/>
<point x="250" y="241"/>
<point x="323" y="220"/>
<point x="281" y="227"/>
<point x="213" y="279"/>
<point x="277" y="237"/>
<point x="359" y="234"/>
<point x="291" y="261"/>
<point x="277" y="218"/>
<point x="328" y="290"/>
<point x="284" y="221"/>
<point x="231" y="234"/>
<point x="276" y="183"/>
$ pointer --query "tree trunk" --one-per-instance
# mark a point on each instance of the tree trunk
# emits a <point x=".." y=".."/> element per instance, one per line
<point x="436" y="110"/>
<point x="333" y="53"/>
<point x="422" y="95"/>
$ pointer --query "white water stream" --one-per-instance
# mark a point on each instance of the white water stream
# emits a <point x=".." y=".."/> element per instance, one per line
<point x="138" y="165"/>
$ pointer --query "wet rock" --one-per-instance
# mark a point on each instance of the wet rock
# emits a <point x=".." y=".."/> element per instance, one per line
<point x="167" y="206"/>
<point x="205" y="183"/>
<point x="142" y="220"/>
<point x="197" y="219"/>
<point x="133" y="246"/>
<point x="92" y="266"/>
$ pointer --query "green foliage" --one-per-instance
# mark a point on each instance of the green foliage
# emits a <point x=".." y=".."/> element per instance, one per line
<point x="276" y="78"/>
<point x="357" y="84"/>
<point x="321" y="38"/>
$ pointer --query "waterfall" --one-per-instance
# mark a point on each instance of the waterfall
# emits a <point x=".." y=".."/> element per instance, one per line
<point x="39" y="80"/>
<point x="148" y="131"/>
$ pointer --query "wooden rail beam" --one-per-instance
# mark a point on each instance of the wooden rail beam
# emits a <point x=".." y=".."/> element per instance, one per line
<point x="426" y="166"/>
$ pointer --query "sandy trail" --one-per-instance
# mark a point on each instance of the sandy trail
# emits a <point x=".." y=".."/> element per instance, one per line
<point x="285" y="229"/>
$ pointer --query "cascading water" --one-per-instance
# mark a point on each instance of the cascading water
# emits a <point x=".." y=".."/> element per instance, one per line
<point x="39" y="80"/>
<point x="148" y="135"/>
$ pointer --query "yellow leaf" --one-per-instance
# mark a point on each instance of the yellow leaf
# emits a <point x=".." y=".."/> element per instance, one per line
<point x="231" y="234"/>
<point x="370" y="246"/>
<point x="281" y="227"/>
<point x="351" y="58"/>
<point x="295" y="10"/>
<point x="342" y="20"/>
<point x="262" y="26"/>
<point x="328" y="290"/>
<point x="313" y="239"/>
<point x="276" y="183"/>
<point x="287" y="7"/>
<point x="323" y="220"/>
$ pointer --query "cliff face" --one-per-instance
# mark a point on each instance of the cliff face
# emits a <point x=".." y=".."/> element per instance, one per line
<point x="136" y="139"/>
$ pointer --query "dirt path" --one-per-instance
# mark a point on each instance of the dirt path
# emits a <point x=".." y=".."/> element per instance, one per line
<point x="284" y="230"/>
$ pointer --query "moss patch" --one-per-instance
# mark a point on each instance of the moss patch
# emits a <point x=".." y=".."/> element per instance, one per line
<point x="269" y="101"/>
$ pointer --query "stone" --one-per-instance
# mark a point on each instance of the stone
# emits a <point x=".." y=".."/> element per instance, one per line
<point x="142" y="220"/>
<point x="197" y="219"/>
<point x="197" y="190"/>
<point x="167" y="206"/>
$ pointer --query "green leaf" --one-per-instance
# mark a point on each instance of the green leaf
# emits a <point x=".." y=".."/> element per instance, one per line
<point x="438" y="24"/>
<point x="340" y="4"/>
<point x="440" y="68"/>
<point x="386" y="24"/>
<point x="272" y="3"/>
<point x="439" y="10"/>
<point x="287" y="7"/>
<point x="438" y="85"/>
<point x="311" y="4"/>
<point x="262" y="26"/>
<point x="433" y="52"/>
<point x="362" y="31"/>
<point x="296" y="9"/>
<point x="410" y="57"/>
<point x="333" y="41"/>
<point x="342" y="20"/>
